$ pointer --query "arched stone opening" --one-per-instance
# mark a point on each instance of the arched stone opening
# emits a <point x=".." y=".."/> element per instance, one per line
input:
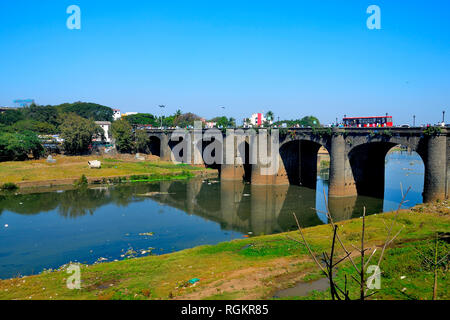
<point x="367" y="162"/>
<point x="154" y="146"/>
<point x="299" y="159"/>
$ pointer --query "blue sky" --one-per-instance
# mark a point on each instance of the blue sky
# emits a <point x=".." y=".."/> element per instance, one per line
<point x="295" y="58"/>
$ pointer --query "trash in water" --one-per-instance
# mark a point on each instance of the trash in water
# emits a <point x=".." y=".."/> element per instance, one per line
<point x="6" y="226"/>
<point x="146" y="234"/>
<point x="151" y="194"/>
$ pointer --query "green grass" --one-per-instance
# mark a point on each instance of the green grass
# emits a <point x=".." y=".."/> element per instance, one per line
<point x="67" y="167"/>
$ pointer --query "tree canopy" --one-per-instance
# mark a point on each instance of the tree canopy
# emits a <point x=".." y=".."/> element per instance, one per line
<point x="77" y="133"/>
<point x="17" y="146"/>
<point x="143" y="118"/>
<point x="88" y="110"/>
<point x="308" y="121"/>
<point x="122" y="133"/>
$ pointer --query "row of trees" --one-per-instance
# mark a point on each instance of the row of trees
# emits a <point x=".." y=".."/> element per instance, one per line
<point x="48" y="119"/>
<point x="19" y="129"/>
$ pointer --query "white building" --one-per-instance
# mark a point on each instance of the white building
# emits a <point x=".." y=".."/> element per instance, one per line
<point x="116" y="115"/>
<point x="106" y="126"/>
<point x="256" y="120"/>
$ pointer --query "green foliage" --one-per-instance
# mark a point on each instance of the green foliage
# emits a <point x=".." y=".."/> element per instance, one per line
<point x="224" y="122"/>
<point x="122" y="132"/>
<point x="269" y="115"/>
<point x="308" y="121"/>
<point x="36" y="126"/>
<point x="48" y="114"/>
<point x="185" y="120"/>
<point x="141" y="141"/>
<point x="322" y="132"/>
<point x="88" y="110"/>
<point x="77" y="133"/>
<point x="10" y="117"/>
<point x="143" y="118"/>
<point x="432" y="131"/>
<point x="17" y="146"/>
<point x="82" y="182"/>
<point x="9" y="186"/>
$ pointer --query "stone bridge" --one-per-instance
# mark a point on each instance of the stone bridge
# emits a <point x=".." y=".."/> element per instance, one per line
<point x="357" y="157"/>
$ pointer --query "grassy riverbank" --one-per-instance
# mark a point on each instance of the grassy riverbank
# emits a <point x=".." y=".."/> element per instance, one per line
<point x="257" y="267"/>
<point x="67" y="169"/>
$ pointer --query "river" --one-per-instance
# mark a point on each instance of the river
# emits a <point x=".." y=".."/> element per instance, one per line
<point x="47" y="229"/>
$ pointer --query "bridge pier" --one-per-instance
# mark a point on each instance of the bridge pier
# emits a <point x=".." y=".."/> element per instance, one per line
<point x="268" y="170"/>
<point x="435" y="169"/>
<point x="341" y="183"/>
<point x="165" y="150"/>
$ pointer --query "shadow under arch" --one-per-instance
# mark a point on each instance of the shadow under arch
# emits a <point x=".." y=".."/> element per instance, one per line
<point x="244" y="149"/>
<point x="299" y="159"/>
<point x="367" y="164"/>
<point x="154" y="146"/>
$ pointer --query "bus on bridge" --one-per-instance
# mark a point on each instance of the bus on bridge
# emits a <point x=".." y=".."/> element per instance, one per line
<point x="367" y="122"/>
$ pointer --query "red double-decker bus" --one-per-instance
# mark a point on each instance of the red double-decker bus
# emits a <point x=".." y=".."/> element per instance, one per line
<point x="368" y="122"/>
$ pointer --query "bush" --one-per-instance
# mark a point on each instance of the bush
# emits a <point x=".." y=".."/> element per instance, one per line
<point x="83" y="181"/>
<point x="9" y="186"/>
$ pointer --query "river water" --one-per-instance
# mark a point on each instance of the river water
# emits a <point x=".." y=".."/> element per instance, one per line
<point x="53" y="227"/>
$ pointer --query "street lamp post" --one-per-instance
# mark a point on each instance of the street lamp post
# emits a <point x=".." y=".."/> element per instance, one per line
<point x="161" y="106"/>
<point x="443" y="117"/>
<point x="414" y="120"/>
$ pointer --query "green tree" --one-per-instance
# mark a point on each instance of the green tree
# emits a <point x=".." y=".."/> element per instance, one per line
<point x="143" y="118"/>
<point x="48" y="114"/>
<point x="10" y="117"/>
<point x="77" y="133"/>
<point x="224" y="122"/>
<point x="141" y="142"/>
<point x="88" y="110"/>
<point x="186" y="119"/>
<point x="17" y="146"/>
<point x="122" y="133"/>
<point x="35" y="126"/>
<point x="308" y="121"/>
<point x="269" y="116"/>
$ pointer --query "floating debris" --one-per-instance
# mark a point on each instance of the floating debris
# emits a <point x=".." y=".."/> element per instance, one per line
<point x="152" y="194"/>
<point x="146" y="234"/>
<point x="6" y="225"/>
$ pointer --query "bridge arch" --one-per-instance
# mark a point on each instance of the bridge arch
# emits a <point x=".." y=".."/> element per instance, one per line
<point x="299" y="161"/>
<point x="154" y="145"/>
<point x="368" y="164"/>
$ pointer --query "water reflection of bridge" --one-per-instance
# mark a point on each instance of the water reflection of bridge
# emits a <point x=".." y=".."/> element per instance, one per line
<point x="233" y="204"/>
<point x="258" y="209"/>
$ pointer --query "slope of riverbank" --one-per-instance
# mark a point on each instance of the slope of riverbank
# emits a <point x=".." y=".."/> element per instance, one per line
<point x="68" y="169"/>
<point x="257" y="267"/>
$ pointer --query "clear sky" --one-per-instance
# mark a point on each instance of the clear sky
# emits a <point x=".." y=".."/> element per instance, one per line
<point x="295" y="58"/>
